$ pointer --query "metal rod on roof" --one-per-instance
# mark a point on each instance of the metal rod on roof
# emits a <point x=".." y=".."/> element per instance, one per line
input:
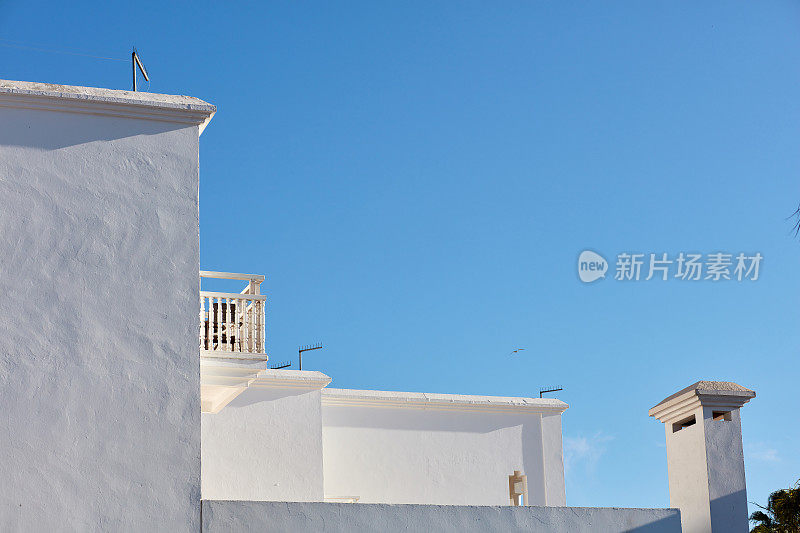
<point x="548" y="389"/>
<point x="135" y="61"/>
<point x="306" y="348"/>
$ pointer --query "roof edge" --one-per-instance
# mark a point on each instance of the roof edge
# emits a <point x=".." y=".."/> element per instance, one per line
<point x="106" y="102"/>
<point x="291" y="379"/>
<point x="419" y="400"/>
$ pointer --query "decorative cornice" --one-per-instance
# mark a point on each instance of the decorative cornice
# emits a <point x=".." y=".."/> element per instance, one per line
<point x="209" y="355"/>
<point x="106" y="102"/>
<point x="230" y="372"/>
<point x="723" y="395"/>
<point x="291" y="379"/>
<point x="418" y="400"/>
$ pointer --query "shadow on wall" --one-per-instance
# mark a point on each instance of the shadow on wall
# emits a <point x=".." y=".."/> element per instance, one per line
<point x="37" y="129"/>
<point x="667" y="524"/>
<point x="729" y="513"/>
<point x="480" y="442"/>
<point x="423" y="419"/>
<point x="254" y="396"/>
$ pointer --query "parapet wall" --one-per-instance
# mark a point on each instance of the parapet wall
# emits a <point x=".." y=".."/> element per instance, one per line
<point x="289" y="438"/>
<point x="441" y="449"/>
<point x="233" y="517"/>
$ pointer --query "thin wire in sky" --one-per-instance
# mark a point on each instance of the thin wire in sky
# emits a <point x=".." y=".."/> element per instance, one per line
<point x="44" y="48"/>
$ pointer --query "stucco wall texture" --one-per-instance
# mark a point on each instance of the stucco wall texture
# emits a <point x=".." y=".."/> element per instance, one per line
<point x="99" y="366"/>
<point x="445" y="457"/>
<point x="265" y="445"/>
<point x="688" y="477"/>
<point x="727" y="491"/>
<point x="235" y="517"/>
<point x="288" y="438"/>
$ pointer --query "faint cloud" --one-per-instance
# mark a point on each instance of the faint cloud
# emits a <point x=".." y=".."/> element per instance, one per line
<point x="584" y="452"/>
<point x="761" y="451"/>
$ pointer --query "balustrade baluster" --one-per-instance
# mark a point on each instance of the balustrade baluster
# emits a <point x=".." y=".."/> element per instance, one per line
<point x="263" y="326"/>
<point x="214" y="307"/>
<point x="259" y="318"/>
<point x="223" y="334"/>
<point x="243" y="329"/>
<point x="255" y="326"/>
<point x="202" y="328"/>
<point x="250" y="309"/>
<point x="209" y="329"/>
<point x="239" y="303"/>
<point x="231" y="335"/>
<point x="221" y="324"/>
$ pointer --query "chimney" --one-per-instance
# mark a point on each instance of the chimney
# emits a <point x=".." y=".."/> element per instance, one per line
<point x="705" y="461"/>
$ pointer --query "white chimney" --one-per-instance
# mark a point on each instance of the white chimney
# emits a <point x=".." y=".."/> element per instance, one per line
<point x="705" y="461"/>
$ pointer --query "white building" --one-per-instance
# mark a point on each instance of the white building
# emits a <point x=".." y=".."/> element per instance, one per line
<point x="378" y="447"/>
<point x="341" y="445"/>
<point x="104" y="385"/>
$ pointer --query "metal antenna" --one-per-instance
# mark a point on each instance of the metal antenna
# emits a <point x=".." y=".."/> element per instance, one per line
<point x="135" y="61"/>
<point x="285" y="364"/>
<point x="306" y="348"/>
<point x="548" y="389"/>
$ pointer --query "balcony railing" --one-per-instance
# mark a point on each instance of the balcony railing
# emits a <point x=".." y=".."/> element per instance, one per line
<point x="232" y="324"/>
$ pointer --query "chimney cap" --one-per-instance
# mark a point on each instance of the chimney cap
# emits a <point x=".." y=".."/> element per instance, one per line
<point x="724" y="394"/>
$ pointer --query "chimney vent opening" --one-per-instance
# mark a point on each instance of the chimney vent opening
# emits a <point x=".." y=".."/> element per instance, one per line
<point x="685" y="423"/>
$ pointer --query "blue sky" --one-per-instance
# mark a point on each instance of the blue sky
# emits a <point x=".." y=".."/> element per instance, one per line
<point x="417" y="180"/>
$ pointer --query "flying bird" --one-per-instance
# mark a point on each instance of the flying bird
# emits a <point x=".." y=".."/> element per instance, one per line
<point x="517" y="351"/>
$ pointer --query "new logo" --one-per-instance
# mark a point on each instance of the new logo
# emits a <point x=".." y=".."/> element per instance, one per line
<point x="591" y="266"/>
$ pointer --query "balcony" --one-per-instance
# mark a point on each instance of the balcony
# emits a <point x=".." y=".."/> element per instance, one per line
<point x="232" y="339"/>
<point x="232" y="324"/>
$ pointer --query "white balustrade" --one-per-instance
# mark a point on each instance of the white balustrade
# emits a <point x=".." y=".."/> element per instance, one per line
<point x="231" y="322"/>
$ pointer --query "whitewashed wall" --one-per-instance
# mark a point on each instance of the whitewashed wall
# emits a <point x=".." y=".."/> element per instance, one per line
<point x="99" y="371"/>
<point x="688" y="476"/>
<point x="727" y="490"/>
<point x="553" y="456"/>
<point x="289" y="517"/>
<point x="390" y="447"/>
<point x="267" y="443"/>
<point x="287" y="438"/>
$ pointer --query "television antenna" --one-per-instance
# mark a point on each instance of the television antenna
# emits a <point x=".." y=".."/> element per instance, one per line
<point x="545" y="390"/>
<point x="278" y="366"/>
<point x="136" y="62"/>
<point x="306" y="348"/>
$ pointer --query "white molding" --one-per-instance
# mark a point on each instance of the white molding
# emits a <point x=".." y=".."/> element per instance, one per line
<point x="233" y="295"/>
<point x="222" y="380"/>
<point x="106" y="102"/>
<point x="678" y="407"/>
<point x="258" y="278"/>
<point x="224" y="371"/>
<point x="418" y="400"/>
<point x="238" y="356"/>
<point x="291" y="379"/>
